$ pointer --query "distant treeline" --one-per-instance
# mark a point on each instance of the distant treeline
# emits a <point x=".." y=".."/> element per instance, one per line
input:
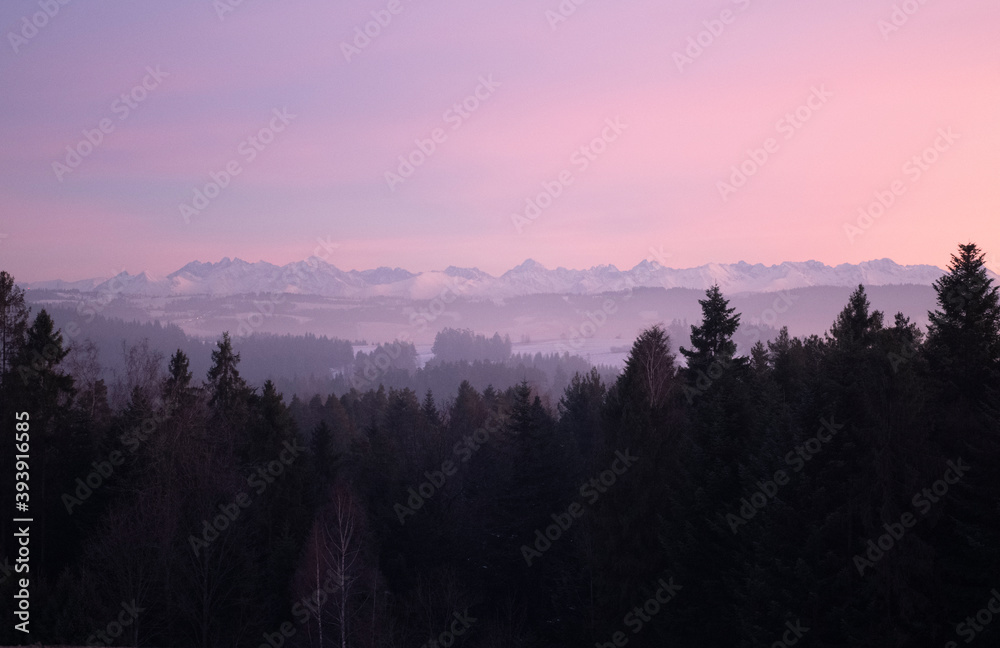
<point x="455" y="345"/>
<point x="264" y="355"/>
<point x="460" y="356"/>
<point x="306" y="364"/>
<point x="837" y="490"/>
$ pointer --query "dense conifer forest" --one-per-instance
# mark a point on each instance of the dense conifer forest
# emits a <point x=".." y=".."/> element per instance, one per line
<point x="838" y="490"/>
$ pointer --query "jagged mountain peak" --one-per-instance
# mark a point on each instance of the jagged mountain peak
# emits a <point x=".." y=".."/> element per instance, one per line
<point x="316" y="276"/>
<point x="528" y="265"/>
<point x="465" y="273"/>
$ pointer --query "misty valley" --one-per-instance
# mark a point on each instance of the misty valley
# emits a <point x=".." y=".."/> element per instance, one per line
<point x="379" y="472"/>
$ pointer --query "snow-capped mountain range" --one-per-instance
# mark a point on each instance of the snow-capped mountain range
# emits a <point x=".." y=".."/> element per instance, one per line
<point x="317" y="277"/>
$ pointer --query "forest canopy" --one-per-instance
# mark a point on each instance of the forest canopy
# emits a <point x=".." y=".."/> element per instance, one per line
<point x="838" y="487"/>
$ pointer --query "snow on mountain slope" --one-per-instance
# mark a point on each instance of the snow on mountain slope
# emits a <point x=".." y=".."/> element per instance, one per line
<point x="315" y="276"/>
<point x="83" y="285"/>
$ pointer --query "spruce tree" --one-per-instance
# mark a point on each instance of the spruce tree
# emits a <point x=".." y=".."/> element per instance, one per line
<point x="725" y="447"/>
<point x="39" y="378"/>
<point x="430" y="410"/>
<point x="226" y="385"/>
<point x="42" y="389"/>
<point x="642" y="428"/>
<point x="963" y="337"/>
<point x="712" y="342"/>
<point x="13" y="323"/>
<point x="177" y="384"/>
<point x="580" y="412"/>
<point x="856" y="325"/>
<point x="963" y="357"/>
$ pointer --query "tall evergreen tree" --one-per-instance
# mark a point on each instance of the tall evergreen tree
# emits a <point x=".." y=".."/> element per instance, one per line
<point x="226" y="385"/>
<point x="963" y="338"/>
<point x="37" y="364"/>
<point x="178" y="382"/>
<point x="13" y="331"/>
<point x="41" y="388"/>
<point x="724" y="457"/>
<point x="430" y="410"/>
<point x="857" y="325"/>
<point x="580" y="411"/>
<point x="712" y="341"/>
<point x="963" y="357"/>
<point x="643" y="428"/>
<point x="13" y="323"/>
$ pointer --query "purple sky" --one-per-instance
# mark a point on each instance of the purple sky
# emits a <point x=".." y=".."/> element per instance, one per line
<point x="879" y="97"/>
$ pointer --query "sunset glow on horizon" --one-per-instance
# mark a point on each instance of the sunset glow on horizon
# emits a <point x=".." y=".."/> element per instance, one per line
<point x="142" y="137"/>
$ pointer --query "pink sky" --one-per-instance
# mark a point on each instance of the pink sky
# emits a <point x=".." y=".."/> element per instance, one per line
<point x="887" y="98"/>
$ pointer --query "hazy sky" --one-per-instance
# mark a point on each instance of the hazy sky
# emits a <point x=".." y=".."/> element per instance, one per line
<point x="825" y="104"/>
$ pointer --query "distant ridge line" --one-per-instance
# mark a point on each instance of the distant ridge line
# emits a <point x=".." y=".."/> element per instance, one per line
<point x="314" y="276"/>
